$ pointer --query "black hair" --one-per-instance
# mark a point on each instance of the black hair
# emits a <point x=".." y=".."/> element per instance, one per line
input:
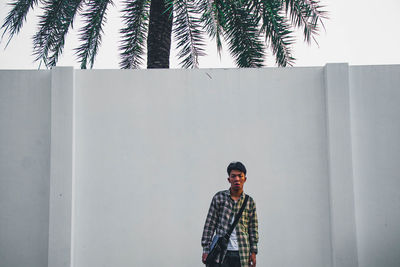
<point x="236" y="165"/>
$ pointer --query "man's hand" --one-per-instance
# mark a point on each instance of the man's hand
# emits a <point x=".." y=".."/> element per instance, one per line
<point x="204" y="257"/>
<point x="252" y="260"/>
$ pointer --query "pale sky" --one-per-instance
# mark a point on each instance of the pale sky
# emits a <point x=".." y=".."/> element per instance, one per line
<point x="359" y="32"/>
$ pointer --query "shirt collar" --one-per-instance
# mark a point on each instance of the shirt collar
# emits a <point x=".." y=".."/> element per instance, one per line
<point x="228" y="194"/>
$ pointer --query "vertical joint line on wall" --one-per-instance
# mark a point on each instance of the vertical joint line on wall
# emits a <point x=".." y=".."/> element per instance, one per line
<point x="328" y="162"/>
<point x="73" y="170"/>
<point x="340" y="167"/>
<point x="62" y="169"/>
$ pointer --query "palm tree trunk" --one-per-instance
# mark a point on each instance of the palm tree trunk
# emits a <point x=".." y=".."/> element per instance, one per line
<point x="159" y="36"/>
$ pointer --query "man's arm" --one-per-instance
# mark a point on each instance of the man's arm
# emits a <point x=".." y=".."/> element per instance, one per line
<point x="209" y="227"/>
<point x="253" y="228"/>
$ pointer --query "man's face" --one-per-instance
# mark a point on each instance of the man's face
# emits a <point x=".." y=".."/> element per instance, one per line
<point x="236" y="179"/>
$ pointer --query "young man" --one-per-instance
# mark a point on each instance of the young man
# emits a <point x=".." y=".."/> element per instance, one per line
<point x="242" y="247"/>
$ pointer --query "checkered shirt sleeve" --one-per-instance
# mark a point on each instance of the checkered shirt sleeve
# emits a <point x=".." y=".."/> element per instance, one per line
<point x="210" y="225"/>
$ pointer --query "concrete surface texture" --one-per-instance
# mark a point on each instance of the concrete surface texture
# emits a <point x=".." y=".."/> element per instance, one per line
<point x="124" y="163"/>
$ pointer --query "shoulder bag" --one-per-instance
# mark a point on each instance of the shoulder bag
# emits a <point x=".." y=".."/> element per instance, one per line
<point x="220" y="243"/>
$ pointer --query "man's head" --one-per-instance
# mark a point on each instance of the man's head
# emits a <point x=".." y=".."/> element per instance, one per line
<point x="236" y="165"/>
<point x="237" y="175"/>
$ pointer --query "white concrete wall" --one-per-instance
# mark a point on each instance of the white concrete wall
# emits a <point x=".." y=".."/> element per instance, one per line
<point x="375" y="94"/>
<point x="24" y="167"/>
<point x="136" y="156"/>
<point x="151" y="152"/>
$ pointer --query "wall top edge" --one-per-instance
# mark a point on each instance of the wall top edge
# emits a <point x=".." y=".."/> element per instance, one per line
<point x="24" y="70"/>
<point x="171" y="69"/>
<point x="377" y="66"/>
<point x="201" y="69"/>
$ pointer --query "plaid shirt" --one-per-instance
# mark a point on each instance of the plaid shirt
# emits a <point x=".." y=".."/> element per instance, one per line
<point x="220" y="214"/>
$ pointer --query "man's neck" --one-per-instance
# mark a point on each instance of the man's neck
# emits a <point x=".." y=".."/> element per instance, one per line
<point x="236" y="194"/>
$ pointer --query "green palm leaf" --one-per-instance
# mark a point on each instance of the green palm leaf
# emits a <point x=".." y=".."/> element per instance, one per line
<point x="54" y="24"/>
<point x="277" y="31"/>
<point x="135" y="17"/>
<point x="307" y="14"/>
<point x="212" y="24"/>
<point x="188" y="32"/>
<point x="247" y="26"/>
<point x="16" y="17"/>
<point x="242" y="34"/>
<point x="90" y="33"/>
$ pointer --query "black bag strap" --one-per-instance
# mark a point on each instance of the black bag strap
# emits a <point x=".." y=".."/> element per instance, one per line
<point x="228" y="234"/>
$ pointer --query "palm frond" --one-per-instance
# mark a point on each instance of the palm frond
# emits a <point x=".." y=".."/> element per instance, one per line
<point x="277" y="31"/>
<point x="53" y="26"/>
<point x="242" y="34"/>
<point x="16" y="17"/>
<point x="135" y="17"/>
<point x="210" y="18"/>
<point x="91" y="32"/>
<point x="307" y="14"/>
<point x="188" y="32"/>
